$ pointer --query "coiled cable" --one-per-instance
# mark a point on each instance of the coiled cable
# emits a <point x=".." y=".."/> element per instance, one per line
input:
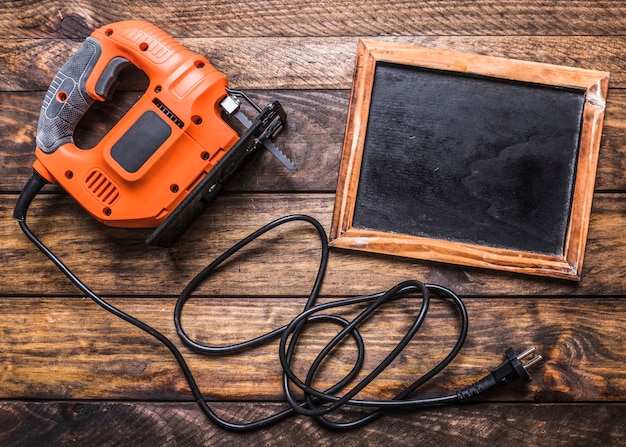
<point x="316" y="403"/>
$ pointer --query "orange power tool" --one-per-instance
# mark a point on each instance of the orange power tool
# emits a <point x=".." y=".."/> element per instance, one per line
<point x="171" y="153"/>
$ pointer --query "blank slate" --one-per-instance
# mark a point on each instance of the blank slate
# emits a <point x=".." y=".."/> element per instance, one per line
<point x="469" y="159"/>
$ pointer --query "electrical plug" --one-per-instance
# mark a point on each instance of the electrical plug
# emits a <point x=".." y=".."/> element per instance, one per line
<point x="509" y="370"/>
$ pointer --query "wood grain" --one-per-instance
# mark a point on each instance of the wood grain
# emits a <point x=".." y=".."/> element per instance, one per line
<point x="71" y="374"/>
<point x="301" y="18"/>
<point x="313" y="138"/>
<point x="93" y="355"/>
<point x="317" y="62"/>
<point x="116" y="261"/>
<point x="173" y="424"/>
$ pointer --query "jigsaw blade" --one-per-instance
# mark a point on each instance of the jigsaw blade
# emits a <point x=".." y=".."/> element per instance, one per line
<point x="231" y="105"/>
<point x="268" y="143"/>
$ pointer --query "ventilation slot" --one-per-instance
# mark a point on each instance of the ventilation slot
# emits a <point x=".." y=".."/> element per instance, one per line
<point x="163" y="108"/>
<point x="101" y="187"/>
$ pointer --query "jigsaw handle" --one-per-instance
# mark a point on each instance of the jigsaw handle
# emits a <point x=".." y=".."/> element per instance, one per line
<point x="91" y="74"/>
<point x="67" y="99"/>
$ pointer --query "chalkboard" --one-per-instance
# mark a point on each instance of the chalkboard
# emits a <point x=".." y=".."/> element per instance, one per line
<point x="480" y="164"/>
<point x="469" y="159"/>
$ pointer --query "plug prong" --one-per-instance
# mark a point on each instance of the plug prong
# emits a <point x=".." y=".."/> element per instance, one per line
<point x="532" y="361"/>
<point x="526" y="353"/>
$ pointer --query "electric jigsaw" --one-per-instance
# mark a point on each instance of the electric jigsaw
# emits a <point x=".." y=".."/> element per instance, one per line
<point x="170" y="154"/>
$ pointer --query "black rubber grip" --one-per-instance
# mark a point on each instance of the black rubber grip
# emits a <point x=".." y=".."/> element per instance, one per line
<point x="67" y="100"/>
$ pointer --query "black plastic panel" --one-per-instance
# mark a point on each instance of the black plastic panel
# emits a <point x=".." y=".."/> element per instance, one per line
<point x="142" y="140"/>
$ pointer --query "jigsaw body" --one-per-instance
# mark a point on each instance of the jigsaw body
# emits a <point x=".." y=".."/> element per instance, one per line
<point x="168" y="156"/>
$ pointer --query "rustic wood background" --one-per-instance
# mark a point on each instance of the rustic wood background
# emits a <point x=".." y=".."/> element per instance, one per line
<point x="72" y="374"/>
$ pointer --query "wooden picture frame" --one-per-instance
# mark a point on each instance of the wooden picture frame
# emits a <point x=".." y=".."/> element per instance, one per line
<point x="469" y="159"/>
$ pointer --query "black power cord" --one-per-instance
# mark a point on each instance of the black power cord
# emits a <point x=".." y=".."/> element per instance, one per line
<point x="316" y="403"/>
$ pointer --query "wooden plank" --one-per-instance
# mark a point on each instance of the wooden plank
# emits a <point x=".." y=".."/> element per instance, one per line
<point x="313" y="139"/>
<point x="69" y="348"/>
<point x="125" y="423"/>
<point x="320" y="62"/>
<point x="242" y="18"/>
<point x="71" y="374"/>
<point x="117" y="261"/>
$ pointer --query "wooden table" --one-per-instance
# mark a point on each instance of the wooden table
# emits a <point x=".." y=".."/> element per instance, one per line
<point x="70" y="373"/>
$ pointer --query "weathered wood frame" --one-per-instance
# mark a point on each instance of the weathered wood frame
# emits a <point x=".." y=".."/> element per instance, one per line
<point x="569" y="265"/>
